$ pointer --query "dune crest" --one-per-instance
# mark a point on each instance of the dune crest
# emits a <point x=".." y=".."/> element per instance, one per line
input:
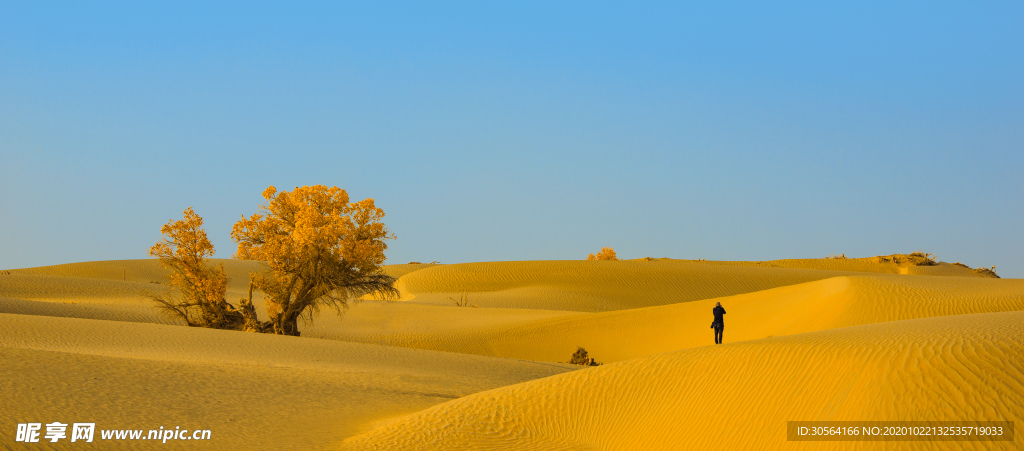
<point x="595" y="286"/>
<point x="879" y="265"/>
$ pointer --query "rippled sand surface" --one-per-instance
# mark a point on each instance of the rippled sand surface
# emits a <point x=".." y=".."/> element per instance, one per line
<point x="827" y="339"/>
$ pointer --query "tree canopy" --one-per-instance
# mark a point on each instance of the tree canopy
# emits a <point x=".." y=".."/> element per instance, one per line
<point x="201" y="288"/>
<point x="321" y="249"/>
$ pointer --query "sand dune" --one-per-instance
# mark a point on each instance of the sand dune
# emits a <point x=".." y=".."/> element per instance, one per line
<point x="567" y="286"/>
<point x="397" y="271"/>
<point x="138" y="312"/>
<point x="434" y="327"/>
<point x="252" y="391"/>
<point x="805" y="340"/>
<point x="90" y="290"/>
<point x="149" y="270"/>
<point x="112" y="290"/>
<point x="594" y="286"/>
<point x="739" y="396"/>
<point x="142" y="271"/>
<point x="626" y="334"/>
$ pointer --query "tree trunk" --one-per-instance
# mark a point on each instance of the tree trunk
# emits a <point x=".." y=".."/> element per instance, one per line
<point x="287" y="325"/>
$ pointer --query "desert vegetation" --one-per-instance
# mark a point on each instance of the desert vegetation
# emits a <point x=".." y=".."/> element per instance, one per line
<point x="463" y="300"/>
<point x="918" y="258"/>
<point x="606" y="253"/>
<point x="988" y="272"/>
<point x="991" y="272"/>
<point x="321" y="249"/>
<point x="580" y="357"/>
<point x="197" y="289"/>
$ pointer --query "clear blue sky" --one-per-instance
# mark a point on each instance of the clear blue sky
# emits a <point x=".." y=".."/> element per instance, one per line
<point x="522" y="131"/>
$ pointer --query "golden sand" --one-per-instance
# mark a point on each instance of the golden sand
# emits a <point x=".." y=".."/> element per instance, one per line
<point x="740" y="396"/>
<point x="827" y="339"/>
<point x="252" y="391"/>
<point x="626" y="334"/>
<point x="594" y="286"/>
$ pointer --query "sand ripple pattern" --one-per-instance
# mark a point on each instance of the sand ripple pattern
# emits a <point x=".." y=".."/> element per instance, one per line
<point x="740" y="396"/>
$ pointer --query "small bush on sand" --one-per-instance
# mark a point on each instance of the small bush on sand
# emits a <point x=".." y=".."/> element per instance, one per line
<point x="463" y="301"/>
<point x="606" y="253"/>
<point x="982" y="271"/>
<point x="580" y="358"/>
<point x="987" y="272"/>
<point x="918" y="258"/>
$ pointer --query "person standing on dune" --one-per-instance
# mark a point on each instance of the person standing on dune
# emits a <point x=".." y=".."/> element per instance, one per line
<point x="719" y="324"/>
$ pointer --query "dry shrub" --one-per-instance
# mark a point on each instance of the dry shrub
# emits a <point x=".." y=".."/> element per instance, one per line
<point x="918" y="258"/>
<point x="606" y="253"/>
<point x="983" y="271"/>
<point x="987" y="272"/>
<point x="463" y="301"/>
<point x="580" y="358"/>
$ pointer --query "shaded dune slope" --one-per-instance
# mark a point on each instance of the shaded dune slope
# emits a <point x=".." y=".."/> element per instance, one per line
<point x="436" y="327"/>
<point x="124" y="375"/>
<point x="739" y="396"/>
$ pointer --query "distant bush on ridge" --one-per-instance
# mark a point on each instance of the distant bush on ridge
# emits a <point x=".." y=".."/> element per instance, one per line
<point x="606" y="253"/>
<point x="918" y="258"/>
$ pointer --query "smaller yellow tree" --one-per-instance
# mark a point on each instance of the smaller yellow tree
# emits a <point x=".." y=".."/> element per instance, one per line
<point x="201" y="288"/>
<point x="606" y="253"/>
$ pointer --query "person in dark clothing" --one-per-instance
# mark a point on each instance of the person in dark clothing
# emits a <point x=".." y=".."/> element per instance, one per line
<point x="719" y="323"/>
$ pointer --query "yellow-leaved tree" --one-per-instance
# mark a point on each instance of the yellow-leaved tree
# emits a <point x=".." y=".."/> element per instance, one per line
<point x="606" y="253"/>
<point x="200" y="300"/>
<point x="321" y="250"/>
